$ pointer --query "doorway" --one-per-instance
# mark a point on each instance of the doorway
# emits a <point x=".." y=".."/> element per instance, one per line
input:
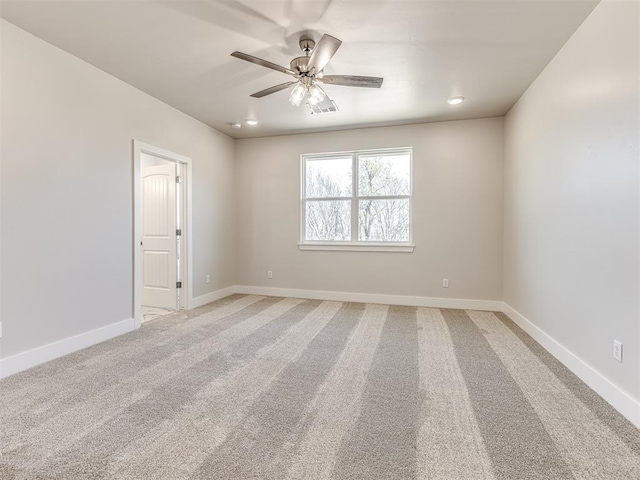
<point x="162" y="237"/>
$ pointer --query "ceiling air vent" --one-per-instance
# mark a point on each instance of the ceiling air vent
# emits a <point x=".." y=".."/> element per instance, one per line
<point x="325" y="106"/>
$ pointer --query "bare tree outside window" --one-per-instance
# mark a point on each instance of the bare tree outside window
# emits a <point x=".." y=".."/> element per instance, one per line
<point x="358" y="197"/>
<point x="329" y="182"/>
<point x="328" y="220"/>
<point x="386" y="219"/>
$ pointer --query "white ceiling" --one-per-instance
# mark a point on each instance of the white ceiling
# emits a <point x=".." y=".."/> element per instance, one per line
<point x="427" y="51"/>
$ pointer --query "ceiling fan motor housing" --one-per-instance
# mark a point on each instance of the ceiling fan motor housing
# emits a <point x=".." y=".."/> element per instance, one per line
<point x="300" y="64"/>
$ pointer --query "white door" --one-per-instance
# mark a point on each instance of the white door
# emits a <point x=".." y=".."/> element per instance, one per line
<point x="159" y="249"/>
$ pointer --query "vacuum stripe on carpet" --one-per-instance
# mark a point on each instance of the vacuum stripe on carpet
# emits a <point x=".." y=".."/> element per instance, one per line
<point x="447" y="413"/>
<point x="513" y="434"/>
<point x="144" y="358"/>
<point x="338" y="401"/>
<point x="167" y="400"/>
<point x="33" y="387"/>
<point x="218" y="410"/>
<point x="382" y="444"/>
<point x="563" y="415"/>
<point x="616" y="422"/>
<point x="275" y="419"/>
<point x="96" y="409"/>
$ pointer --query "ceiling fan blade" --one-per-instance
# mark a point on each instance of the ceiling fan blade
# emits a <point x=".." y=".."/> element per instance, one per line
<point x="263" y="63"/>
<point x="322" y="52"/>
<point x="270" y="90"/>
<point x="352" y="81"/>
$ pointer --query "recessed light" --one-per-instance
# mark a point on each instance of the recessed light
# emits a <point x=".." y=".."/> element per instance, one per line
<point x="236" y="125"/>
<point x="251" y="122"/>
<point x="455" y="100"/>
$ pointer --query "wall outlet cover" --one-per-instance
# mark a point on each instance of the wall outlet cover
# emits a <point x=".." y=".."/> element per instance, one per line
<point x="617" y="350"/>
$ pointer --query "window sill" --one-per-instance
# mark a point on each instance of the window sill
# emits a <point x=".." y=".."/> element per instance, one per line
<point x="357" y="247"/>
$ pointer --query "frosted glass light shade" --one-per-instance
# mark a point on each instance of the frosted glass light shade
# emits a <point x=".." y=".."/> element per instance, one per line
<point x="316" y="95"/>
<point x="297" y="94"/>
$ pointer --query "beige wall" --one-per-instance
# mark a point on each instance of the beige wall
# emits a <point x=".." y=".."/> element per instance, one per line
<point x="457" y="214"/>
<point x="66" y="193"/>
<point x="571" y="195"/>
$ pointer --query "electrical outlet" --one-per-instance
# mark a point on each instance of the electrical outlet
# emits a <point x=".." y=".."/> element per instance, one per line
<point x="208" y="279"/>
<point x="617" y="350"/>
<point x="445" y="283"/>
<point x="269" y="274"/>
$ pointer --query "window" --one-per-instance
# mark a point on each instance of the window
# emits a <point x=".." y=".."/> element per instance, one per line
<point x="357" y="200"/>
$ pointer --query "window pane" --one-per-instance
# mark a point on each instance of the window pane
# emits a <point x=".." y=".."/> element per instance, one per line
<point x="384" y="220"/>
<point x="383" y="175"/>
<point x="328" y="177"/>
<point x="328" y="220"/>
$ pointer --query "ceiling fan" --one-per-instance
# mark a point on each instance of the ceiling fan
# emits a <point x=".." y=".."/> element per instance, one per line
<point x="308" y="71"/>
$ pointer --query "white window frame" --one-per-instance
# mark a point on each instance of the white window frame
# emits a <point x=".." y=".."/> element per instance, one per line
<point x="355" y="245"/>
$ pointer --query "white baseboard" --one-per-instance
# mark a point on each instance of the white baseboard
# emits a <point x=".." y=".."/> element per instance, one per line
<point x="25" y="360"/>
<point x="491" y="305"/>
<point x="211" y="297"/>
<point x="618" y="398"/>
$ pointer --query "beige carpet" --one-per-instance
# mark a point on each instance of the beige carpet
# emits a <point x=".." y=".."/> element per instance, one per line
<point x="270" y="388"/>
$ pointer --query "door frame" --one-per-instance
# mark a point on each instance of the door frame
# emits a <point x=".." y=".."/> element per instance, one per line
<point x="187" y="237"/>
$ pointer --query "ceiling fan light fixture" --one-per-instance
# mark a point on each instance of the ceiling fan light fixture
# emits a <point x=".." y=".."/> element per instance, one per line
<point x="309" y="69"/>
<point x="251" y="122"/>
<point x="316" y="95"/>
<point x="455" y="100"/>
<point x="297" y="94"/>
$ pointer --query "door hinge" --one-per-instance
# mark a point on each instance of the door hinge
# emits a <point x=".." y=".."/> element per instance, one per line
<point x="179" y="232"/>
<point x="178" y="179"/>
<point x="178" y="284"/>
